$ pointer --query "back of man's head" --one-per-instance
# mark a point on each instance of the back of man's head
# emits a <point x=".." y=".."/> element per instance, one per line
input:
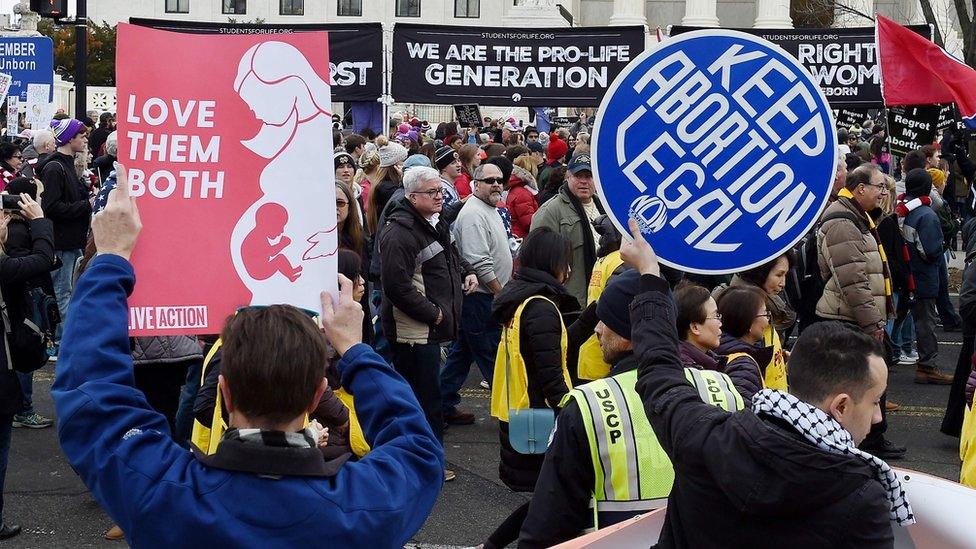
<point x="273" y="361"/>
<point x="830" y="358"/>
<point x="353" y="142"/>
<point x="914" y="159"/>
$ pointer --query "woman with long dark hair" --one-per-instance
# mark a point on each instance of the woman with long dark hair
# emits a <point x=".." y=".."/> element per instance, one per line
<point x="532" y="306"/>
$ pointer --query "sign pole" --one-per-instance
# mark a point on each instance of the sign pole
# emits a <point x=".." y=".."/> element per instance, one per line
<point x="81" y="59"/>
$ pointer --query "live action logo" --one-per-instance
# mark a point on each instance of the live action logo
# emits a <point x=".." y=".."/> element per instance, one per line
<point x="168" y="318"/>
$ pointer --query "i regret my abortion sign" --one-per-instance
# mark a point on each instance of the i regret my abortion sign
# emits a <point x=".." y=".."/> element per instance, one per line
<point x="720" y="145"/>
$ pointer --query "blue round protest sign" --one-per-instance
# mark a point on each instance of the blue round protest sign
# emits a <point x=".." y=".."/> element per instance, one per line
<point x="721" y="147"/>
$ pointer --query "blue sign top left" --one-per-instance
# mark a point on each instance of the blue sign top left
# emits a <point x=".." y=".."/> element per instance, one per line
<point x="721" y="147"/>
<point x="28" y="60"/>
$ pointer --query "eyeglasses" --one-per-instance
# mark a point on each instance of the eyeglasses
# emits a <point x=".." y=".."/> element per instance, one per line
<point x="492" y="180"/>
<point x="18" y="156"/>
<point x="767" y="314"/>
<point x="433" y="193"/>
<point x="881" y="186"/>
<point x="341" y="203"/>
<point x="716" y="316"/>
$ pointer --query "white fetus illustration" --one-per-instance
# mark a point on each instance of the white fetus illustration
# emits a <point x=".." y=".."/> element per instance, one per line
<point x="284" y="245"/>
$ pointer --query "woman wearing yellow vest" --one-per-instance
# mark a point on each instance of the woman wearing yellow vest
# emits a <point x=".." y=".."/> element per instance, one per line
<point x="745" y="319"/>
<point x="770" y="279"/>
<point x="535" y="342"/>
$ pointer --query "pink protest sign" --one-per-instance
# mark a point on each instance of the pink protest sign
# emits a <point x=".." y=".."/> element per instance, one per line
<point x="228" y="141"/>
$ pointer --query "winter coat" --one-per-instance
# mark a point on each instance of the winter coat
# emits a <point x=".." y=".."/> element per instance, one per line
<point x="923" y="235"/>
<point x="463" y="184"/>
<point x="244" y="495"/>
<point x="564" y="214"/>
<point x="165" y="349"/>
<point x="851" y="266"/>
<point x="693" y="357"/>
<point x="746" y="372"/>
<point x="521" y="201"/>
<point x="893" y="243"/>
<point x="65" y="201"/>
<point x="421" y="274"/>
<point x="15" y="275"/>
<point x="967" y="292"/>
<point x="539" y="341"/>
<point x="743" y="480"/>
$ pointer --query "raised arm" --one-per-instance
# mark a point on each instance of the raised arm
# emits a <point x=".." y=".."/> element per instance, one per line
<point x="117" y="444"/>
<point x="680" y="418"/>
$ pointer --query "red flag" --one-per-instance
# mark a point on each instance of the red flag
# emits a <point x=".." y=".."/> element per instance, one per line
<point x="915" y="71"/>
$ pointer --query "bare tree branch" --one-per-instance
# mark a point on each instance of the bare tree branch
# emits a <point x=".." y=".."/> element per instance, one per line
<point x="929" y="14"/>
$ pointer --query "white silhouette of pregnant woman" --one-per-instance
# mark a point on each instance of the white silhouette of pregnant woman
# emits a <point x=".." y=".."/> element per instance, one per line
<point x="287" y="257"/>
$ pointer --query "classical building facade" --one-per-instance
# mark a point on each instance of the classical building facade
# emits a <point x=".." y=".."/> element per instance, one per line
<point x="509" y="13"/>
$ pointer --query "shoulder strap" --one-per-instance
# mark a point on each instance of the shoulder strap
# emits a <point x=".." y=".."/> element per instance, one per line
<point x="518" y="317"/>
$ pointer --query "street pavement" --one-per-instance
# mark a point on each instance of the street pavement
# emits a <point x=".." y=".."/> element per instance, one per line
<point x="45" y="497"/>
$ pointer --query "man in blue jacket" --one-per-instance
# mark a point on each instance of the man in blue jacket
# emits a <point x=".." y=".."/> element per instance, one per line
<point x="923" y="234"/>
<point x="268" y="484"/>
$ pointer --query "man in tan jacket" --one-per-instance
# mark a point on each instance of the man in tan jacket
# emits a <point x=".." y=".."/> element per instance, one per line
<point x="856" y="276"/>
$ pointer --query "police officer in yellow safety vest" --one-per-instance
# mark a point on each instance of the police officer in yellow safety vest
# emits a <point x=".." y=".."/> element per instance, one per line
<point x="604" y="464"/>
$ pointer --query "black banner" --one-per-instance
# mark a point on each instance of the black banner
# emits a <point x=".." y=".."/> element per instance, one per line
<point x="355" y="50"/>
<point x="469" y="116"/>
<point x="911" y="127"/>
<point x="846" y="118"/>
<point x="555" y="67"/>
<point x="843" y="62"/>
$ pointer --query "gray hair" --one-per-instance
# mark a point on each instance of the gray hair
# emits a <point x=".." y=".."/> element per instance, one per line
<point x="479" y="172"/>
<point x="415" y="177"/>
<point x="42" y="139"/>
<point x="112" y="144"/>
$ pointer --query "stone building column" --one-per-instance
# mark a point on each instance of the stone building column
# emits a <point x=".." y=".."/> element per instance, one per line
<point x="628" y="12"/>
<point x="700" y="13"/>
<point x="773" y="14"/>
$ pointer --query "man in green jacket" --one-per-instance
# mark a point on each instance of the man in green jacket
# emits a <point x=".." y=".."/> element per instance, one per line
<point x="571" y="214"/>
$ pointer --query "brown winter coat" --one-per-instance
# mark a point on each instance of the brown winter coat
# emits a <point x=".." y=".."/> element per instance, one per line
<point x="852" y="267"/>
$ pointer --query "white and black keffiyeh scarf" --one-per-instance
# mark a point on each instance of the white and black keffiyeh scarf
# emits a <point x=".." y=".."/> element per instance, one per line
<point x="823" y="431"/>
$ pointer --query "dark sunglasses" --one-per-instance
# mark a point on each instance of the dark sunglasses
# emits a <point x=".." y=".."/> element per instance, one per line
<point x="492" y="180"/>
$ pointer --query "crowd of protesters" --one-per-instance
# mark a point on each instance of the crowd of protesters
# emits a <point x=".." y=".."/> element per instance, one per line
<point x="491" y="246"/>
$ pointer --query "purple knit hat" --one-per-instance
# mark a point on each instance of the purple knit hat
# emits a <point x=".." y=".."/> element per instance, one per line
<point x="65" y="130"/>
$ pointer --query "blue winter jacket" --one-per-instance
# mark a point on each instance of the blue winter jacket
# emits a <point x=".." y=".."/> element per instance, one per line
<point x="923" y="234"/>
<point x="161" y="496"/>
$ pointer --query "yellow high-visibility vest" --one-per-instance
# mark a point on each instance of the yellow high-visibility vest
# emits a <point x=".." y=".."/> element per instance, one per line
<point x="591" y="364"/>
<point x="633" y="473"/>
<point x="509" y="357"/>
<point x="206" y="438"/>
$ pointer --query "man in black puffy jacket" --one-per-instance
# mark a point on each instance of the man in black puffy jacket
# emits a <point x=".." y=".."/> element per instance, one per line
<point x="423" y="278"/>
<point x="786" y="473"/>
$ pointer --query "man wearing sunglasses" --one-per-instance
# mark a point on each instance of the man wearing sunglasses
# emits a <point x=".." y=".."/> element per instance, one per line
<point x="267" y="484"/>
<point x="483" y="242"/>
